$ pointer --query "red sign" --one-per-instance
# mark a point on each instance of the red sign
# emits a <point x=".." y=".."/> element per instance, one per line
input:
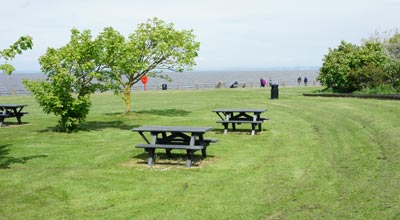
<point x="144" y="81"/>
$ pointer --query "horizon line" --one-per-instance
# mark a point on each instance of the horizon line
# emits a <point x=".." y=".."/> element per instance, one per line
<point x="208" y="69"/>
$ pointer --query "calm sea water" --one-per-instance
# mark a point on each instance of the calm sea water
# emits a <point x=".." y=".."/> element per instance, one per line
<point x="187" y="80"/>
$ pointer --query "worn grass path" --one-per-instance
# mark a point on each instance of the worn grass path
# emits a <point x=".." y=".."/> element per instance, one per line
<point x="317" y="158"/>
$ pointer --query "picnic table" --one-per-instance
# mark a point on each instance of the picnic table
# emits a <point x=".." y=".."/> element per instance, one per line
<point x="238" y="116"/>
<point x="186" y="138"/>
<point x="10" y="111"/>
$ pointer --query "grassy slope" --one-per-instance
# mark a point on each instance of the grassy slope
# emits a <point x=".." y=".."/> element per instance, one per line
<point x="317" y="158"/>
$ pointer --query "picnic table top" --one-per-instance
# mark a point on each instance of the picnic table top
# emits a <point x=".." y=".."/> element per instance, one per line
<point x="12" y="105"/>
<point x="173" y="129"/>
<point x="239" y="110"/>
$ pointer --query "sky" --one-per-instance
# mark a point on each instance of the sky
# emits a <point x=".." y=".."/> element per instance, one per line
<point x="233" y="34"/>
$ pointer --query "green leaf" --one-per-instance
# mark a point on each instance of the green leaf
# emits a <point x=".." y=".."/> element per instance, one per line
<point x="7" y="68"/>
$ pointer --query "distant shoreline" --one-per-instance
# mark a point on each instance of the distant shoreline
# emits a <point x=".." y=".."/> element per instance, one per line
<point x="12" y="84"/>
<point x="311" y="68"/>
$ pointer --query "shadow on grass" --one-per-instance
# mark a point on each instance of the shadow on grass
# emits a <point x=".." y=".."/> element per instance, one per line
<point x="100" y="125"/>
<point x="165" y="112"/>
<point x="177" y="159"/>
<point x="96" y="126"/>
<point x="13" y="124"/>
<point x="6" y="160"/>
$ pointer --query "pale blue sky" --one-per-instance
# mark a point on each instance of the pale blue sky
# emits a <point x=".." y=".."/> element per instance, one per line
<point x="234" y="34"/>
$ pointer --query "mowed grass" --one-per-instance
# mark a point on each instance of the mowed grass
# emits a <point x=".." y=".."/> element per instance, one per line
<point x="316" y="158"/>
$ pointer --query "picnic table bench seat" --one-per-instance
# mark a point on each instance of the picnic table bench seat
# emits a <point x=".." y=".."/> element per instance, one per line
<point x="170" y="146"/>
<point x="239" y="122"/>
<point x="254" y="124"/>
<point x="2" y="115"/>
<point x="178" y="146"/>
<point x="12" y="114"/>
<point x="9" y="114"/>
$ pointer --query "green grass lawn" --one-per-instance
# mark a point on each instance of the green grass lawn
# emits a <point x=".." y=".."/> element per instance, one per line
<point x="317" y="158"/>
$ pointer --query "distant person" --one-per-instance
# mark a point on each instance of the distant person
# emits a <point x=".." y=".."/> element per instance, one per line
<point x="234" y="85"/>
<point x="220" y="85"/>
<point x="299" y="81"/>
<point x="305" y="81"/>
<point x="263" y="82"/>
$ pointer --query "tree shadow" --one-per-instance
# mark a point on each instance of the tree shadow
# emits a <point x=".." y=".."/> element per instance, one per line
<point x="13" y="124"/>
<point x="165" y="112"/>
<point x="115" y="114"/>
<point x="96" y="126"/>
<point x="100" y="125"/>
<point x="6" y="160"/>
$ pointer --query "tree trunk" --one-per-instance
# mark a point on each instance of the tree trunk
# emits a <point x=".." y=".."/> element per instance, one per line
<point x="127" y="97"/>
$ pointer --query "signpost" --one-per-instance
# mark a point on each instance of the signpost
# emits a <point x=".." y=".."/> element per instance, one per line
<point x="144" y="81"/>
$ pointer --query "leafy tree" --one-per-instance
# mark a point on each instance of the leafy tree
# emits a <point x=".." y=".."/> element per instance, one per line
<point x="392" y="67"/>
<point x="336" y="64"/>
<point x="392" y="46"/>
<point x="23" y="43"/>
<point x="70" y="71"/>
<point x="369" y="76"/>
<point x="153" y="47"/>
<point x="84" y="66"/>
<point x="349" y="58"/>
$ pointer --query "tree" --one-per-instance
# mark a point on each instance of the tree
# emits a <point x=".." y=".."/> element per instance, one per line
<point x="369" y="76"/>
<point x="153" y="47"/>
<point x="392" y="67"/>
<point x="348" y="59"/>
<point x="70" y="72"/>
<point x="336" y="65"/>
<point x="392" y="46"/>
<point x="84" y="66"/>
<point x="22" y="44"/>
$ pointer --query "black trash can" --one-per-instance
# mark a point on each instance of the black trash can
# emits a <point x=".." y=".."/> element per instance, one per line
<point x="274" y="91"/>
<point x="164" y="86"/>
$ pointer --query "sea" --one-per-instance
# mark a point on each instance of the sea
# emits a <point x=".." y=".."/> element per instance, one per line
<point x="12" y="84"/>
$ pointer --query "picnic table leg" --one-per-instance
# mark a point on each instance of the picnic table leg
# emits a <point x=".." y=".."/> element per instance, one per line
<point x="204" y="152"/>
<point x="168" y="151"/>
<point x="189" y="158"/>
<point x="225" y="128"/>
<point x="2" y="118"/>
<point x="259" y="127"/>
<point x="253" y="129"/>
<point x="19" y="119"/>
<point x="151" y="151"/>
<point x="234" y="126"/>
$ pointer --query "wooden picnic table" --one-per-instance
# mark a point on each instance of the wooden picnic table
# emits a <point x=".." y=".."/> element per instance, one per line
<point x="186" y="138"/>
<point x="11" y="110"/>
<point x="238" y="116"/>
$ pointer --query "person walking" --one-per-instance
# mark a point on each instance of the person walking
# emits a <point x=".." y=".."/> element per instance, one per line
<point x="305" y="81"/>
<point x="299" y="81"/>
<point x="263" y="82"/>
